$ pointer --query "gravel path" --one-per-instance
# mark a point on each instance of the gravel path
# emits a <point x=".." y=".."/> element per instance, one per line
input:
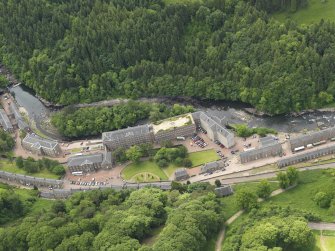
<point x="218" y="244"/>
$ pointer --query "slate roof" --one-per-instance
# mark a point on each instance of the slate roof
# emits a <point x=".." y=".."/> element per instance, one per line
<point x="85" y="159"/>
<point x="265" y="149"/>
<point x="224" y="190"/>
<point x="312" y="137"/>
<point x="210" y="166"/>
<point x="38" y="142"/>
<point x="267" y="141"/>
<point x="127" y="132"/>
<point x="215" y="126"/>
<point x="306" y="156"/>
<point x="28" y="179"/>
<point x="4" y="120"/>
<point x="107" y="157"/>
<point x="20" y="121"/>
<point x="181" y="172"/>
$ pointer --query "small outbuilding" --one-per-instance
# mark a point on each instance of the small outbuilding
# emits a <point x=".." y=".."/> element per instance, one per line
<point x="181" y="174"/>
<point x="224" y="191"/>
<point x="212" y="166"/>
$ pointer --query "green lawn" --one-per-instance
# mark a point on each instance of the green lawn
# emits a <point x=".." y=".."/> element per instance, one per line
<point x="26" y="194"/>
<point x="8" y="166"/>
<point x="312" y="14"/>
<point x="302" y="196"/>
<point x="143" y="167"/>
<point x="200" y="158"/>
<point x="328" y="241"/>
<point x="229" y="203"/>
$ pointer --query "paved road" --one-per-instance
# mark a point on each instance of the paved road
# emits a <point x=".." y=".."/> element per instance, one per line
<point x="321" y="226"/>
<point x="264" y="175"/>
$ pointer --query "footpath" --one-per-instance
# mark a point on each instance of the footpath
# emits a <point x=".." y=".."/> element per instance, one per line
<point x="218" y="244"/>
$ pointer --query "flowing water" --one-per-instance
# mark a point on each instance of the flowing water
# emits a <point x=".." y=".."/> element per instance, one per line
<point x="234" y="113"/>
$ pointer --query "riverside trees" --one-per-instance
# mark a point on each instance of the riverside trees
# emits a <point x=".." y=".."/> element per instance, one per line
<point x="95" y="120"/>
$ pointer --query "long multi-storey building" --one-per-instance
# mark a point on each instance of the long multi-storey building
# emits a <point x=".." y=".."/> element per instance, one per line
<point x="41" y="146"/>
<point x="4" y="121"/>
<point x="168" y="129"/>
<point x="172" y="128"/>
<point x="311" y="138"/>
<point x="30" y="181"/>
<point x="215" y="131"/>
<point x="127" y="137"/>
<point x="297" y="158"/>
<point x="270" y="147"/>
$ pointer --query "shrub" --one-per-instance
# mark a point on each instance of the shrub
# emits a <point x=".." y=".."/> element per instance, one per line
<point x="322" y="199"/>
<point x="187" y="162"/>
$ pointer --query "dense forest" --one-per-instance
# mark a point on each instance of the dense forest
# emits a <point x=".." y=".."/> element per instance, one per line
<point x="187" y="217"/>
<point x="111" y="220"/>
<point x="83" y="51"/>
<point x="93" y="121"/>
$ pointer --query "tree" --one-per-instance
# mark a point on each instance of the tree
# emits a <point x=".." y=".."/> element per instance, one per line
<point x="246" y="200"/>
<point x="134" y="153"/>
<point x="283" y="179"/>
<point x="146" y="149"/>
<point x="264" y="189"/>
<point x="19" y="162"/>
<point x="187" y="162"/>
<point x="322" y="199"/>
<point x="58" y="170"/>
<point x="7" y="143"/>
<point x="119" y="154"/>
<point x="292" y="175"/>
<point x="58" y="207"/>
<point x="217" y="183"/>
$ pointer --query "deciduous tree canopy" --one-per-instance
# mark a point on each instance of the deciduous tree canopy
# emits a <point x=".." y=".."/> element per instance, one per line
<point x="82" y="51"/>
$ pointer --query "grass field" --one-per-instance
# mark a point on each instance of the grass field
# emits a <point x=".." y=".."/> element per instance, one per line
<point x="139" y="172"/>
<point x="229" y="203"/>
<point x="326" y="242"/>
<point x="143" y="167"/>
<point x="145" y="177"/>
<point x="7" y="166"/>
<point x="302" y="196"/>
<point x="25" y="194"/>
<point x="199" y="158"/>
<point x="315" y="11"/>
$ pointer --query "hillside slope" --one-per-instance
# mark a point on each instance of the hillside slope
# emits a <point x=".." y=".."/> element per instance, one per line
<point x="84" y="51"/>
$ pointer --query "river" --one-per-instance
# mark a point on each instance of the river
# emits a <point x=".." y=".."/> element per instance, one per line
<point x="233" y="111"/>
<point x="37" y="111"/>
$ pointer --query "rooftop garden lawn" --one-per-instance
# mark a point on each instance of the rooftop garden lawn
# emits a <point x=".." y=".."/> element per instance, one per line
<point x="8" y="166"/>
<point x="302" y="196"/>
<point x="313" y="13"/>
<point x="200" y="158"/>
<point x="143" y="167"/>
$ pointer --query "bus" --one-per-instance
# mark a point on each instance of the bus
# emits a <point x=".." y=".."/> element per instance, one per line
<point x="77" y="173"/>
<point x="297" y="149"/>
<point x="319" y="143"/>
